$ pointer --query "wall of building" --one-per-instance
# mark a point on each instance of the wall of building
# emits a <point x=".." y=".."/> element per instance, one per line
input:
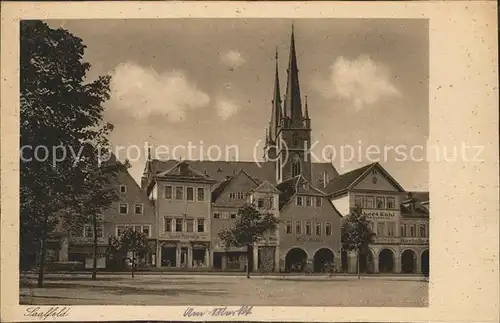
<point x="292" y="214"/>
<point x="112" y="220"/>
<point x="183" y="210"/>
<point x="380" y="201"/>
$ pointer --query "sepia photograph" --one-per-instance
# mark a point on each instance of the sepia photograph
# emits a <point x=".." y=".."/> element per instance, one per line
<point x="231" y="175"/>
<point x="222" y="164"/>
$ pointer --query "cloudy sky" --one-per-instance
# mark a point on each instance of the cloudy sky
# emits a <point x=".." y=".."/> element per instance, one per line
<point x="176" y="81"/>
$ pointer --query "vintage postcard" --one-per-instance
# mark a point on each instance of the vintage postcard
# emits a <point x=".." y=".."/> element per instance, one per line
<point x="319" y="161"/>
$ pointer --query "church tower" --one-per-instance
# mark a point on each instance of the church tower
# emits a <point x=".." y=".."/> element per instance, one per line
<point x="270" y="151"/>
<point x="293" y="133"/>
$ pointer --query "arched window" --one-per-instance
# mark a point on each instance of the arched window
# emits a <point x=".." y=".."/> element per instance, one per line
<point x="296" y="166"/>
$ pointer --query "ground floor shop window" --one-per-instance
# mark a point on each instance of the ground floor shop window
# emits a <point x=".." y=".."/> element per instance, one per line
<point x="199" y="258"/>
<point x="168" y="256"/>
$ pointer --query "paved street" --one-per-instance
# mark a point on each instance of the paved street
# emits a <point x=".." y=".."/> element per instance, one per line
<point x="226" y="290"/>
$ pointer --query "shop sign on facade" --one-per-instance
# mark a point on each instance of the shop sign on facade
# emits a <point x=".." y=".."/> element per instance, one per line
<point x="415" y="241"/>
<point x="308" y="239"/>
<point x="379" y="215"/>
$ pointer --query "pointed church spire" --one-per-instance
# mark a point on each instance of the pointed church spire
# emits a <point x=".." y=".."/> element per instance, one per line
<point x="276" y="112"/>
<point x="293" y="106"/>
<point x="277" y="94"/>
<point x="306" y="110"/>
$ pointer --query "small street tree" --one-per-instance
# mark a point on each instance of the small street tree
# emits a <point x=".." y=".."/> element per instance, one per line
<point x="134" y="242"/>
<point x="250" y="227"/>
<point x="95" y="195"/>
<point x="356" y="234"/>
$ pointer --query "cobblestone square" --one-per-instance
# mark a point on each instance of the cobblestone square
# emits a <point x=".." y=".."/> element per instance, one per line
<point x="208" y="290"/>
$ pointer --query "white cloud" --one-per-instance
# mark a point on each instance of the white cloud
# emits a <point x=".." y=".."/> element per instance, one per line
<point x="143" y="92"/>
<point x="225" y="108"/>
<point x="232" y="59"/>
<point x="361" y="81"/>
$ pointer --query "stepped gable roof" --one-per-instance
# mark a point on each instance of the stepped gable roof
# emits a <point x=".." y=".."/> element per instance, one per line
<point x="221" y="170"/>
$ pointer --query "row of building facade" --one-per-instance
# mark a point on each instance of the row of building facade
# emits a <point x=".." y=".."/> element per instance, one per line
<point x="181" y="206"/>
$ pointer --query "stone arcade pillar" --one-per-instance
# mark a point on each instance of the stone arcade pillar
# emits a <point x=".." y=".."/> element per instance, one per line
<point x="397" y="263"/>
<point x="376" y="269"/>
<point x="418" y="264"/>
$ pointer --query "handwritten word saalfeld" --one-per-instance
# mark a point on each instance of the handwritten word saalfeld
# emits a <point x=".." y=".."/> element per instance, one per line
<point x="218" y="311"/>
<point x="52" y="312"/>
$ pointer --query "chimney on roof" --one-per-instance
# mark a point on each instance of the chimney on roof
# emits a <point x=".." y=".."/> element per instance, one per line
<point x="183" y="168"/>
<point x="326" y="178"/>
<point x="144" y="183"/>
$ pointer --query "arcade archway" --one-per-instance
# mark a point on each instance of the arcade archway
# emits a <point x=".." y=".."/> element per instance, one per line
<point x="386" y="261"/>
<point x="323" y="259"/>
<point x="408" y="261"/>
<point x="424" y="262"/>
<point x="295" y="260"/>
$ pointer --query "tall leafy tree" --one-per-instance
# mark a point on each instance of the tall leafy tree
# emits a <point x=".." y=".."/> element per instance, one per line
<point x="250" y="227"/>
<point x="61" y="126"/>
<point x="356" y="234"/>
<point x="133" y="242"/>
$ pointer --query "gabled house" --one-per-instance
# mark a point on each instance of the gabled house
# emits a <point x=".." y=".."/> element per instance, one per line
<point x="266" y="251"/>
<point x="131" y="210"/>
<point x="227" y="197"/>
<point x="309" y="231"/>
<point x="398" y="247"/>
<point x="181" y="197"/>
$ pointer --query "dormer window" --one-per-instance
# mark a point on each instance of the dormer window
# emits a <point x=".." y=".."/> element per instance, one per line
<point x="123" y="189"/>
<point x="318" y="201"/>
<point x="308" y="201"/>
<point x="236" y="195"/>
